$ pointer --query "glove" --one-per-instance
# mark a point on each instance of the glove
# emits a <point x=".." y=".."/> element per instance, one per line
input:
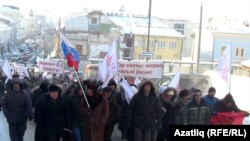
<point x="247" y="114"/>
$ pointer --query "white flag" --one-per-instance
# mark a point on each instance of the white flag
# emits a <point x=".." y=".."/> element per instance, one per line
<point x="175" y="81"/>
<point x="102" y="70"/>
<point x="112" y="59"/>
<point x="129" y="93"/>
<point x="7" y="69"/>
<point x="112" y="63"/>
<point x="224" y="64"/>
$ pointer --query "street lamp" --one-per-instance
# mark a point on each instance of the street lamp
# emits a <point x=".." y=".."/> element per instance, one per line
<point x="199" y="43"/>
<point x="149" y="24"/>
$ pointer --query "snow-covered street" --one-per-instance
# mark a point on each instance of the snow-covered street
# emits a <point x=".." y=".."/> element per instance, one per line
<point x="29" y="134"/>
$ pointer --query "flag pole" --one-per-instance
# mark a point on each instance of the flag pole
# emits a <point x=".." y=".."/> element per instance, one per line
<point x="79" y="81"/>
<point x="230" y="76"/>
<point x="81" y="87"/>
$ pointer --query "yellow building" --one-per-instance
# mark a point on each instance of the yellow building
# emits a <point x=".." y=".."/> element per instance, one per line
<point x="165" y="43"/>
<point x="161" y="47"/>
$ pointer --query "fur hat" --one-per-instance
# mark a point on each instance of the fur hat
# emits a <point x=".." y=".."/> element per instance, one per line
<point x="112" y="83"/>
<point x="107" y="89"/>
<point x="54" y="88"/>
<point x="92" y="85"/>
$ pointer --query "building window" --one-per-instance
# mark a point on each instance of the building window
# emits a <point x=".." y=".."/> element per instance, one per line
<point x="137" y="43"/>
<point x="172" y="45"/>
<point x="160" y="44"/>
<point x="159" y="57"/>
<point x="240" y="52"/>
<point x="179" y="26"/>
<point x="144" y="43"/>
<point x="180" y="31"/>
<point x="79" y="49"/>
<point x="93" y="20"/>
<point x="140" y="57"/>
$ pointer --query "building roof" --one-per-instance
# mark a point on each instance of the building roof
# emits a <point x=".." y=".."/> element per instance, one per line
<point x="136" y="20"/>
<point x="154" y="31"/>
<point x="4" y="27"/>
<point x="5" y="18"/>
<point x="231" y="30"/>
<point x="139" y="25"/>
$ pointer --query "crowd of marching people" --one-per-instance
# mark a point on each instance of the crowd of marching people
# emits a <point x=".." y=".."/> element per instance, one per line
<point x="90" y="112"/>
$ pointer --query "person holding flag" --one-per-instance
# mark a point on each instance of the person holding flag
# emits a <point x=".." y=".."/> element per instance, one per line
<point x="226" y="112"/>
<point x="95" y="118"/>
<point x="73" y="59"/>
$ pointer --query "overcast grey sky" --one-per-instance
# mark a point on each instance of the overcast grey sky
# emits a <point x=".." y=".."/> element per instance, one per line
<point x="188" y="9"/>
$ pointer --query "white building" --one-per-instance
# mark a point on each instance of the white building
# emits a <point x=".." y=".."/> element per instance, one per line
<point x="186" y="28"/>
<point x="14" y="14"/>
<point x="76" y="30"/>
<point x="5" y="33"/>
<point x="17" y="24"/>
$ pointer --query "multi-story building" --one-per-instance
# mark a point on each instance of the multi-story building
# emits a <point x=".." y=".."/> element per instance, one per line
<point x="76" y="30"/>
<point x="102" y="31"/>
<point x="186" y="28"/>
<point x="93" y="33"/>
<point x="239" y="38"/>
<point x="217" y="33"/>
<point x="15" y="15"/>
<point x="5" y="33"/>
<point x="5" y="29"/>
<point x="164" y="42"/>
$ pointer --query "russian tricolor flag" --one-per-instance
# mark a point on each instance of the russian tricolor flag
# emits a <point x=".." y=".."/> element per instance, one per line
<point x="70" y="52"/>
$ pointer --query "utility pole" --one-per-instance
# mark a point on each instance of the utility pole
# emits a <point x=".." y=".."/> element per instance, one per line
<point x="149" y="24"/>
<point x="199" y="43"/>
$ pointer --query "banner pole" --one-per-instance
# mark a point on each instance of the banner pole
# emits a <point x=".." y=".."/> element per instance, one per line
<point x="230" y="76"/>
<point x="81" y="87"/>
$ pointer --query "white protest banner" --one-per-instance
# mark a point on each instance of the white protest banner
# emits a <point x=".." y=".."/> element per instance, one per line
<point x="129" y="92"/>
<point x="111" y="63"/>
<point x="50" y="66"/>
<point x="7" y="69"/>
<point x="21" y="70"/>
<point x="138" y="69"/>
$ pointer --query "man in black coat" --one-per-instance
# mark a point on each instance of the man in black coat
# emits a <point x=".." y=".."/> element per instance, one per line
<point x="51" y="115"/>
<point x="73" y="102"/>
<point x="17" y="108"/>
<point x="42" y="89"/>
<point x="145" y="113"/>
<point x="167" y="98"/>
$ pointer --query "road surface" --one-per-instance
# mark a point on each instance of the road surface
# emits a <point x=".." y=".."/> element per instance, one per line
<point x="29" y="134"/>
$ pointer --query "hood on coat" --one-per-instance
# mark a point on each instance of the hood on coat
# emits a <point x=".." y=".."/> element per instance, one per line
<point x="145" y="82"/>
<point x="44" y="86"/>
<point x="16" y="80"/>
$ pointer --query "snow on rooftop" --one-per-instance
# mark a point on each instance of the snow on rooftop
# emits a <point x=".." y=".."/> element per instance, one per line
<point x="139" y="25"/>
